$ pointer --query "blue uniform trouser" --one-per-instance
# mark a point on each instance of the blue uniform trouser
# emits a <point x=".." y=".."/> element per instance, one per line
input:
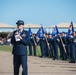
<point x="60" y="47"/>
<point x="75" y="54"/>
<point x="64" y="56"/>
<point x="55" y="51"/>
<point x="20" y="60"/>
<point x="42" y="50"/>
<point x="68" y="52"/>
<point x="34" y="47"/>
<point x="30" y="49"/>
<point x="72" y="52"/>
<point x="51" y="51"/>
<point x="75" y="50"/>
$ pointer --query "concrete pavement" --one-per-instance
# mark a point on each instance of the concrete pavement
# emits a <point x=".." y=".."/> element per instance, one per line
<point x="37" y="66"/>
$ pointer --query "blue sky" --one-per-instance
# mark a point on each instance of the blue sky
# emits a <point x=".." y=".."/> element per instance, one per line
<point x="45" y="12"/>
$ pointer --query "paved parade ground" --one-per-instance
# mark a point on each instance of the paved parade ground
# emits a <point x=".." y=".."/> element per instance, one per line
<point x="37" y="66"/>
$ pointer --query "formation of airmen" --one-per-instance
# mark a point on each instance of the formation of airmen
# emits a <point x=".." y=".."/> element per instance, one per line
<point x="53" y="45"/>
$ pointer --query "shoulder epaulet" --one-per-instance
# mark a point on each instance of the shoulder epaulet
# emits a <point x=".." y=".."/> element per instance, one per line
<point x="25" y="30"/>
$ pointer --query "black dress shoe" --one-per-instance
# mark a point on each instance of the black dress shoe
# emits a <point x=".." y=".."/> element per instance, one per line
<point x="40" y="56"/>
<point x="54" y="59"/>
<point x="63" y="59"/>
<point x="43" y="56"/>
<point x="29" y="55"/>
<point x="72" y="62"/>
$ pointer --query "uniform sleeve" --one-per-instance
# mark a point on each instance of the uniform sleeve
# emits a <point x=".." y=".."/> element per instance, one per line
<point x="12" y="39"/>
<point x="26" y="40"/>
<point x="64" y="40"/>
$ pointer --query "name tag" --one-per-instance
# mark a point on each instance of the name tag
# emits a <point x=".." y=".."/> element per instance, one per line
<point x="16" y="38"/>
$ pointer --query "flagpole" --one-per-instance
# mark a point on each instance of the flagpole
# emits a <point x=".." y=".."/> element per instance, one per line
<point x="62" y="43"/>
<point x="34" y="40"/>
<point x="47" y="43"/>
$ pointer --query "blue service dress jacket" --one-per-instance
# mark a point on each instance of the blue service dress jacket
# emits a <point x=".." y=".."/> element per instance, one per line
<point x="20" y="47"/>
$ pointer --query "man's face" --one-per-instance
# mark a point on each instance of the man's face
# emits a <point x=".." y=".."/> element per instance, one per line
<point x="50" y="36"/>
<point x="20" y="26"/>
<point x="63" y="34"/>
